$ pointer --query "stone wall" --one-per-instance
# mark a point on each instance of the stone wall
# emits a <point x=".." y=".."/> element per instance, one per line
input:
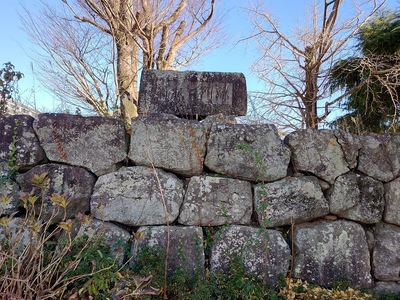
<point x="323" y="205"/>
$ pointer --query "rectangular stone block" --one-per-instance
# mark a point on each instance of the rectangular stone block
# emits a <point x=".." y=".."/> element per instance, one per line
<point x="190" y="93"/>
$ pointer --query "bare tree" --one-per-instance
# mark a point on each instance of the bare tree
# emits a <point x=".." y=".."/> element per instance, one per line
<point x="295" y="67"/>
<point x="76" y="62"/>
<point x="128" y="35"/>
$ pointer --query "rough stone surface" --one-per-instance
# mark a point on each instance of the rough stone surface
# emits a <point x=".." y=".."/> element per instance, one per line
<point x="191" y="94"/>
<point x="16" y="235"/>
<point x="75" y="183"/>
<point x="220" y="118"/>
<point x="172" y="144"/>
<point x="264" y="253"/>
<point x="392" y="197"/>
<point x="9" y="190"/>
<point x="95" y="143"/>
<point x="132" y="196"/>
<point x="386" y="254"/>
<point x="186" y="249"/>
<point x="113" y="235"/>
<point x="351" y="146"/>
<point x="380" y="156"/>
<point x="387" y="287"/>
<point x="249" y="152"/>
<point x="328" y="251"/>
<point x="318" y="152"/>
<point x="358" y="198"/>
<point x="296" y="199"/>
<point x="212" y="201"/>
<point x="28" y="150"/>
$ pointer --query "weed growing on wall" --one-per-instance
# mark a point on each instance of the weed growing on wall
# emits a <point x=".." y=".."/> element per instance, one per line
<point x="263" y="206"/>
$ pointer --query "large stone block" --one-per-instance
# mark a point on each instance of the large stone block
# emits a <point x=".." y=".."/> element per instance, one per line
<point x="293" y="199"/>
<point x="386" y="254"/>
<point x="75" y="183"/>
<point x="265" y="254"/>
<point x="380" y="156"/>
<point x="212" y="201"/>
<point x="191" y="94"/>
<point x="186" y="250"/>
<point x="172" y="144"/>
<point x="326" y="252"/>
<point x="392" y="197"/>
<point x="319" y="152"/>
<point x="28" y="152"/>
<point x="134" y="196"/>
<point x="95" y="143"/>
<point x="358" y="198"/>
<point x="249" y="152"/>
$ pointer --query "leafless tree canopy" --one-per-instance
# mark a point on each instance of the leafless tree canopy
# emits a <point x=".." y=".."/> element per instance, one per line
<point x="125" y="36"/>
<point x="295" y="66"/>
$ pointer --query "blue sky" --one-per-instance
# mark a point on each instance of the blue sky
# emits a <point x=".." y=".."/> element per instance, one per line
<point x="232" y="57"/>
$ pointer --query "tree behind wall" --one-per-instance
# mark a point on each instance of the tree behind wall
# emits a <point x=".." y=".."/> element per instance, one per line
<point x="375" y="106"/>
<point x="8" y="85"/>
<point x="295" y="66"/>
<point x="125" y="36"/>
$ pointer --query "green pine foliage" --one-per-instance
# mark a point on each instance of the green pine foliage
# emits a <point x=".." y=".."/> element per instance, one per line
<point x="371" y="106"/>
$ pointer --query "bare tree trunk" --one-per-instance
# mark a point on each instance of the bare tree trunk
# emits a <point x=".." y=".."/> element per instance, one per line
<point x="311" y="88"/>
<point x="127" y="75"/>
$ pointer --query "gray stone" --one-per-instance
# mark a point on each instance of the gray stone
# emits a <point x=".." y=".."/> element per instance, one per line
<point x="387" y="287"/>
<point x="249" y="152"/>
<point x="75" y="183"/>
<point x="220" y="118"/>
<point x="176" y="145"/>
<point x="369" y="233"/>
<point x="328" y="251"/>
<point x="16" y="235"/>
<point x="8" y="191"/>
<point x="185" y="251"/>
<point x="28" y="150"/>
<point x="95" y="143"/>
<point x="386" y="254"/>
<point x="133" y="196"/>
<point x="317" y="152"/>
<point x="392" y="197"/>
<point x="265" y="254"/>
<point x="351" y="145"/>
<point x="358" y="198"/>
<point x="212" y="201"/>
<point x="380" y="156"/>
<point x="191" y="94"/>
<point x="296" y="199"/>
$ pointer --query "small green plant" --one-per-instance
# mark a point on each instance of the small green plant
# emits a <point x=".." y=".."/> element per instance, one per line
<point x="262" y="207"/>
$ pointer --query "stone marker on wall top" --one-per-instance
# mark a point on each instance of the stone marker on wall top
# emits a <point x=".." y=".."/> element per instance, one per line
<point x="191" y="94"/>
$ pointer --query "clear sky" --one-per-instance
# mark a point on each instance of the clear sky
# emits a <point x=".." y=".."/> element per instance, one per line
<point x="232" y="57"/>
